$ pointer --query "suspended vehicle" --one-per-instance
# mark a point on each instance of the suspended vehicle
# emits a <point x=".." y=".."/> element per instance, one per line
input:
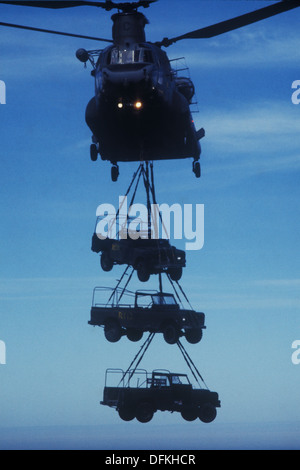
<point x="141" y="107"/>
<point x="139" y="394"/>
<point x="144" y="311"/>
<point x="146" y="256"/>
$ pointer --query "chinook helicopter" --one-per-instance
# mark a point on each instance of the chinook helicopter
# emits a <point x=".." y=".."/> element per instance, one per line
<point x="141" y="108"/>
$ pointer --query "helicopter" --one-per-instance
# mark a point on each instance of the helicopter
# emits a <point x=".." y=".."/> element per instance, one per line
<point x="141" y="109"/>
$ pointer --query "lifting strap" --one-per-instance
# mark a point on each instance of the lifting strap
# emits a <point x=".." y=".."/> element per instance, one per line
<point x="147" y="188"/>
<point x="152" y="188"/>
<point x="117" y="285"/>
<point x="172" y="284"/>
<point x="190" y="363"/>
<point x="184" y="294"/>
<point x="181" y="289"/>
<point x="136" y="186"/>
<point x="140" y="353"/>
<point x="138" y="171"/>
<point x="127" y="282"/>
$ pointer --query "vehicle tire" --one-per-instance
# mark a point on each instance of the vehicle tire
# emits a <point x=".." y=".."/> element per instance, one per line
<point x="194" y="335"/>
<point x="144" y="412"/>
<point x="171" y="333"/>
<point x="142" y="272"/>
<point x="133" y="334"/>
<point x="112" y="331"/>
<point x="126" y="414"/>
<point x="106" y="262"/>
<point x="93" y="152"/>
<point x="189" y="412"/>
<point x="175" y="273"/>
<point x="207" y="413"/>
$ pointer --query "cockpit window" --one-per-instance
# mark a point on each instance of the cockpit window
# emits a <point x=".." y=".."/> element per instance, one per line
<point x="130" y="56"/>
<point x="147" y="56"/>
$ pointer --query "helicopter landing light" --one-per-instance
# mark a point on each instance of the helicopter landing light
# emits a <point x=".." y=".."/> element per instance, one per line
<point x="120" y="105"/>
<point x="138" y="105"/>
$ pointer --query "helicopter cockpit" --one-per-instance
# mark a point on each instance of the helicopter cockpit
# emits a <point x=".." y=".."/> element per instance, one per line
<point x="118" y="55"/>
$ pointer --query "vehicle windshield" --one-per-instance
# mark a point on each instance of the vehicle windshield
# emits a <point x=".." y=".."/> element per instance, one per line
<point x="163" y="299"/>
<point x="179" y="380"/>
<point x="130" y="56"/>
<point x="165" y="380"/>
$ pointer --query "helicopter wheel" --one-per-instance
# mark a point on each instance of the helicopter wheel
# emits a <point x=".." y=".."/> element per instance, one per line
<point x="197" y="169"/>
<point x="93" y="152"/>
<point x="114" y="172"/>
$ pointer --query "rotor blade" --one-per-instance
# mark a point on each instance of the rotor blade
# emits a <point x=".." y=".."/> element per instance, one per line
<point x="235" y="23"/>
<point x="57" y="4"/>
<point x="107" y="5"/>
<point x="40" y="30"/>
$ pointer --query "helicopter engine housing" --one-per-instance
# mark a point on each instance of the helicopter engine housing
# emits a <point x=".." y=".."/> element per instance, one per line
<point x="128" y="28"/>
<point x="186" y="87"/>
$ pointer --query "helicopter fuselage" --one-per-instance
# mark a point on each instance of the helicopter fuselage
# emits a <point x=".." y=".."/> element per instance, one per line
<point x="140" y="110"/>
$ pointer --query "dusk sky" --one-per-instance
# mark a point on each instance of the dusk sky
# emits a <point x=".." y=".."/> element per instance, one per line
<point x="245" y="278"/>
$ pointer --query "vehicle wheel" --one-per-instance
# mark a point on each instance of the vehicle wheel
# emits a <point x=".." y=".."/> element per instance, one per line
<point x="207" y="413"/>
<point x="193" y="336"/>
<point x="133" y="334"/>
<point x="175" y="273"/>
<point x="144" y="412"/>
<point x="189" y="412"/>
<point x="114" y="173"/>
<point x="106" y="262"/>
<point x="142" y="272"/>
<point x="126" y="414"/>
<point x="93" y="152"/>
<point x="112" y="331"/>
<point x="171" y="333"/>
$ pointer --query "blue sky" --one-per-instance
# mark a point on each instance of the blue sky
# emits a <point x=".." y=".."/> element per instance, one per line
<point x="245" y="278"/>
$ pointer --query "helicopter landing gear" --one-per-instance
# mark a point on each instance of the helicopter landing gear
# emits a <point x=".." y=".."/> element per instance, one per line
<point x="93" y="152"/>
<point x="197" y="169"/>
<point x="114" y="172"/>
